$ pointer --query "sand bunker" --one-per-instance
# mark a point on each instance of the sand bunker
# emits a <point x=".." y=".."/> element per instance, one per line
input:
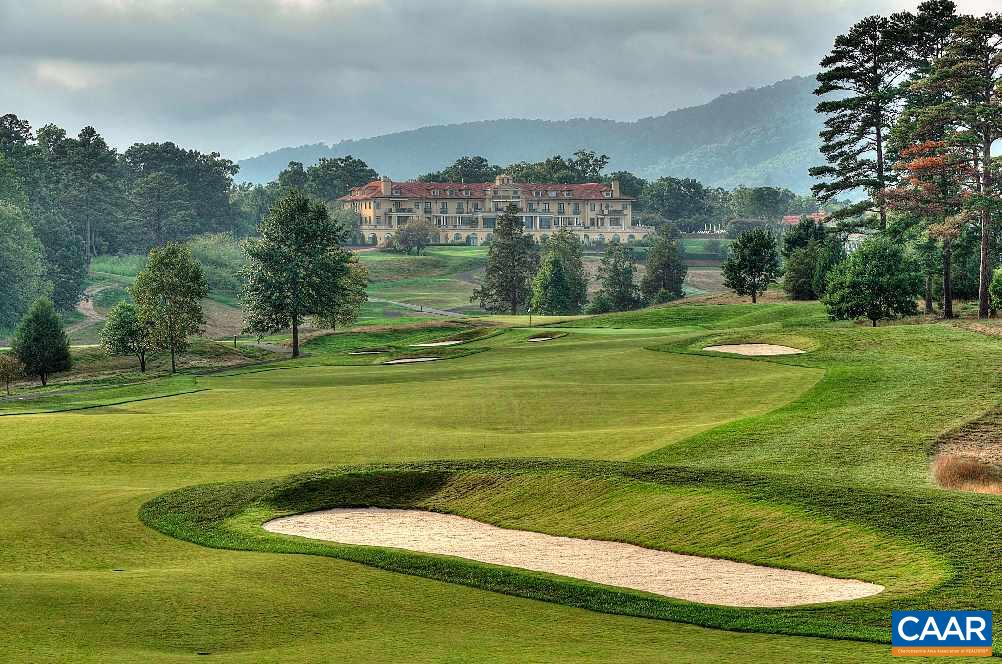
<point x="412" y="360"/>
<point x="437" y="343"/>
<point x="707" y="580"/>
<point x="755" y="349"/>
<point x="367" y="352"/>
<point x="532" y="340"/>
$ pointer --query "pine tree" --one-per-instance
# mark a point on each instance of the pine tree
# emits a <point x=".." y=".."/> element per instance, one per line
<point x="40" y="342"/>
<point x="568" y="248"/>
<point x="665" y="271"/>
<point x="864" y="69"/>
<point x="552" y="292"/>
<point x="616" y="274"/>
<point x="511" y="262"/>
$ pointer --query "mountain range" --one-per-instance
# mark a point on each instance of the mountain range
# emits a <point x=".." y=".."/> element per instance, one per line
<point x="755" y="137"/>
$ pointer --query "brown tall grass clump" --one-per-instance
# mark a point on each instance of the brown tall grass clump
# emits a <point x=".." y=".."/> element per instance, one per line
<point x="967" y="474"/>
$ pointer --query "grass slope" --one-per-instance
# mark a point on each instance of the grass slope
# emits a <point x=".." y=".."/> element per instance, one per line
<point x="739" y="461"/>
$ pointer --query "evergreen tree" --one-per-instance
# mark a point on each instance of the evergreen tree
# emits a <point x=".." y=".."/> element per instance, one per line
<point x="877" y="281"/>
<point x="831" y="252"/>
<point x="551" y="288"/>
<point x="969" y="74"/>
<point x="511" y="262"/>
<point x="753" y="263"/>
<point x="864" y="70"/>
<point x="798" y="278"/>
<point x="801" y="235"/>
<point x="566" y="245"/>
<point x="124" y="334"/>
<point x="616" y="275"/>
<point x="168" y="293"/>
<point x="665" y="270"/>
<point x="40" y="342"/>
<point x="298" y="270"/>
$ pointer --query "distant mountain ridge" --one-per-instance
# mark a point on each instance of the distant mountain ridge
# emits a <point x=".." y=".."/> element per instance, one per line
<point x="755" y="137"/>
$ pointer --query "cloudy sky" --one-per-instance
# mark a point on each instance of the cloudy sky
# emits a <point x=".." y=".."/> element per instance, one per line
<point x="246" y="76"/>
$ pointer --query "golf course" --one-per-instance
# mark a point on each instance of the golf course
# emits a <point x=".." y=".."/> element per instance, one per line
<point x="133" y="513"/>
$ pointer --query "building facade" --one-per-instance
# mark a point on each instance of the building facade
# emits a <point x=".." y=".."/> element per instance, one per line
<point x="467" y="213"/>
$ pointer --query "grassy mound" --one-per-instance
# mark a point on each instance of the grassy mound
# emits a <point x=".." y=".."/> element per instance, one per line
<point x="656" y="508"/>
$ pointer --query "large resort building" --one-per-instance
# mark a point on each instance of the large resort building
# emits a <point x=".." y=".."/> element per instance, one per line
<point x="467" y="213"/>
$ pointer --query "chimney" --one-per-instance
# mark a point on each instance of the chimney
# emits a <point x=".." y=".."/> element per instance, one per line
<point x="386" y="185"/>
<point x="615" y="188"/>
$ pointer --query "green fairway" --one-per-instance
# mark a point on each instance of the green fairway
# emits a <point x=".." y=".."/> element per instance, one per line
<point x="441" y="278"/>
<point x="816" y="462"/>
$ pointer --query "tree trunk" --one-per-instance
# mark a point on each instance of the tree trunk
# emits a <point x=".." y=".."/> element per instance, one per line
<point x="43" y="377"/>
<point x="873" y="322"/>
<point x="295" y="336"/>
<point x="928" y="293"/>
<point x="984" y="307"/>
<point x="947" y="278"/>
<point x="880" y="172"/>
<point x="173" y="365"/>
<point x="754" y="296"/>
<point x="142" y="363"/>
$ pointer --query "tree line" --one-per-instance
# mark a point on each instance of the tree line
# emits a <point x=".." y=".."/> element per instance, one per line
<point x="550" y="279"/>
<point x="298" y="270"/>
<point x="913" y="107"/>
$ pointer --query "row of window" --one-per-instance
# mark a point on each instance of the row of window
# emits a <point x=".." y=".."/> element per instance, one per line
<point x="476" y="206"/>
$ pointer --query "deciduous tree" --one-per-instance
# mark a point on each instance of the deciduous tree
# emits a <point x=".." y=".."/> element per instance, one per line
<point x="877" y="281"/>
<point x="298" y="269"/>
<point x="665" y="270"/>
<point x="168" y="293"/>
<point x="124" y="334"/>
<point x="11" y="369"/>
<point x="616" y="274"/>
<point x="753" y="263"/>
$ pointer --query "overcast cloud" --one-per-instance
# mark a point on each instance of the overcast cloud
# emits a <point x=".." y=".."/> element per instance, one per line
<point x="243" y="77"/>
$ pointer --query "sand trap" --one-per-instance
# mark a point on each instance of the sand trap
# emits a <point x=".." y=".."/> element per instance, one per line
<point x="436" y="343"/>
<point x="755" y="349"/>
<point x="533" y="340"/>
<point x="367" y="352"/>
<point x="693" y="578"/>
<point x="412" y="360"/>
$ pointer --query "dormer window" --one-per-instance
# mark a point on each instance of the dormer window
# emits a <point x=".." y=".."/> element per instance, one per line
<point x="396" y="191"/>
<point x="607" y="194"/>
<point x="567" y="193"/>
<point x="552" y="194"/>
<point x="537" y="194"/>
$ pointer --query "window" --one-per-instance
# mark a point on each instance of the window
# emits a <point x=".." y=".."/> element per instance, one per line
<point x="443" y="207"/>
<point x="532" y="206"/>
<point x="489" y="222"/>
<point x="460" y="208"/>
<point x="592" y="207"/>
<point x="560" y="208"/>
<point x="477" y="207"/>
<point x="607" y="194"/>
<point x="551" y="194"/>
<point x="537" y="194"/>
<point x="546" y="207"/>
<point x="527" y="222"/>
<point x="466" y="192"/>
<point x="427" y="207"/>
<point x="577" y="208"/>
<point x="435" y="192"/>
<point x="377" y="205"/>
<point x="567" y="193"/>
<point x="545" y="222"/>
<point x="396" y="191"/>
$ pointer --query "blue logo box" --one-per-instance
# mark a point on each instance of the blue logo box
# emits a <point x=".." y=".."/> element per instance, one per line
<point x="942" y="633"/>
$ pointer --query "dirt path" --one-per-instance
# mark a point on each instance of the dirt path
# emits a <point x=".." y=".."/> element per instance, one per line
<point x="423" y="309"/>
<point x="697" y="579"/>
<point x="86" y="307"/>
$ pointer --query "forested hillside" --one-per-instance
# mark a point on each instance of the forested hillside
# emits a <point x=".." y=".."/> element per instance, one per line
<point x="763" y="136"/>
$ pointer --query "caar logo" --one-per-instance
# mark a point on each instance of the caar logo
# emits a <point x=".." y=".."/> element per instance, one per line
<point x="945" y="633"/>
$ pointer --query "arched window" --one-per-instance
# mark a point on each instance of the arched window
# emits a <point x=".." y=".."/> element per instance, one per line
<point x="372" y="238"/>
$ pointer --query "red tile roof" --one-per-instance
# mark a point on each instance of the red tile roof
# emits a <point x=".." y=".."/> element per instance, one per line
<point x="794" y="219"/>
<point x="591" y="190"/>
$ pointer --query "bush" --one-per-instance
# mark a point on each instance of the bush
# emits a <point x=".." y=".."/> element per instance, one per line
<point x="995" y="289"/>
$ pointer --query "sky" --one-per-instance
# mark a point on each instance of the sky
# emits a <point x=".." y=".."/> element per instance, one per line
<point x="242" y="77"/>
